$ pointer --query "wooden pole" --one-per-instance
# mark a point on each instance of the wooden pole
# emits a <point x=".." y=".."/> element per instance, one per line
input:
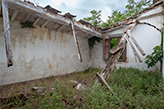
<point x="76" y="41"/>
<point x="163" y="60"/>
<point x="136" y="43"/>
<point x="6" y="24"/>
<point x="134" y="50"/>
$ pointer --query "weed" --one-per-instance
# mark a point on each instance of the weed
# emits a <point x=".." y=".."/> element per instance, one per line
<point x="132" y="89"/>
<point x="27" y="24"/>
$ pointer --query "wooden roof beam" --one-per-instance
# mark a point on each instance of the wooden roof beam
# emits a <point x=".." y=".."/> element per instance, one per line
<point x="83" y="35"/>
<point x="51" y="26"/>
<point x="69" y="32"/>
<point x="6" y="24"/>
<point x="45" y="23"/>
<point x="36" y="21"/>
<point x="0" y="9"/>
<point x="64" y="29"/>
<point x="68" y="29"/>
<point x="14" y="15"/>
<point x="26" y="18"/>
<point x="60" y="28"/>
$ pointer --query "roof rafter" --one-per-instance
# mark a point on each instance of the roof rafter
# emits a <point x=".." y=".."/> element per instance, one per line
<point x="14" y="15"/>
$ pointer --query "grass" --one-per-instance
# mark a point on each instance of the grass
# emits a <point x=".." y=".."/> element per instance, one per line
<point x="134" y="89"/>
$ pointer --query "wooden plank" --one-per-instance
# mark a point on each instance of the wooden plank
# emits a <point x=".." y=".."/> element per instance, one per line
<point x="6" y="24"/>
<point x="60" y="28"/>
<point x="64" y="29"/>
<point x="78" y="33"/>
<point x="26" y="18"/>
<point x="14" y="15"/>
<point x="0" y="9"/>
<point x="103" y="81"/>
<point x="40" y="12"/>
<point x="111" y="63"/>
<point x="76" y="41"/>
<point x="84" y="35"/>
<point x="45" y="23"/>
<point x="134" y="51"/>
<point x="36" y="21"/>
<point x="136" y="43"/>
<point x="69" y="32"/>
<point x="67" y="29"/>
<point x="51" y="26"/>
<point x="118" y="47"/>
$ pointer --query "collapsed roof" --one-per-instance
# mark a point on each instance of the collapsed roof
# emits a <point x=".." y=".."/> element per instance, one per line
<point x="137" y="16"/>
<point x="51" y="18"/>
<point x="47" y="17"/>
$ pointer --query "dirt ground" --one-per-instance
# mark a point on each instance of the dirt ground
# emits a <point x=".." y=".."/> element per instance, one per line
<point x="25" y="87"/>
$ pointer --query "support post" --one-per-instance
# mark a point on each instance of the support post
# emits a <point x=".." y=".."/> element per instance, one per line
<point x="6" y="24"/>
<point x="76" y="41"/>
<point x="163" y="60"/>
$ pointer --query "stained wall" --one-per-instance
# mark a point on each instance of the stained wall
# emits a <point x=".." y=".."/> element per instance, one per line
<point x="39" y="53"/>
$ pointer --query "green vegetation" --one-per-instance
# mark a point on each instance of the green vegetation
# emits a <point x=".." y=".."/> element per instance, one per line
<point x="134" y="89"/>
<point x="27" y="24"/>
<point x="154" y="57"/>
<point x="95" y="19"/>
<point x="92" y="41"/>
<point x="131" y="8"/>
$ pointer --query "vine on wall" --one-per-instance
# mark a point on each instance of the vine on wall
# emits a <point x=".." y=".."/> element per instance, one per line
<point x="27" y="24"/>
<point x="92" y="41"/>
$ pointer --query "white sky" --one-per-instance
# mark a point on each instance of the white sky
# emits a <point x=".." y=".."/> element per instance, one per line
<point x="82" y="8"/>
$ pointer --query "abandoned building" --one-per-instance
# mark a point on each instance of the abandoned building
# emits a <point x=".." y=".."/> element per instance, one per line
<point x="42" y="42"/>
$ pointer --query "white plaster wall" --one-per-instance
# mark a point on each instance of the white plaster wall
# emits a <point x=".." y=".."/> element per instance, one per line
<point x="97" y="56"/>
<point x="146" y="36"/>
<point x="39" y="53"/>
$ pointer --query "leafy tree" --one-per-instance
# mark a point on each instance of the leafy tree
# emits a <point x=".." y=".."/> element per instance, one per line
<point x="95" y="19"/>
<point x="115" y="17"/>
<point x="134" y="7"/>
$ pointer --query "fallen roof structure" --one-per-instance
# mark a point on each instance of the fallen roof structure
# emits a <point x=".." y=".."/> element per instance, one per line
<point x="130" y="23"/>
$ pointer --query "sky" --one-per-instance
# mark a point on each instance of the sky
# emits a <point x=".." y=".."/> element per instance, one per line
<point x="82" y="8"/>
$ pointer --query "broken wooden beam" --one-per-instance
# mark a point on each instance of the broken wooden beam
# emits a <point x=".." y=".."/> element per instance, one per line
<point x="76" y="41"/>
<point x="118" y="47"/>
<point x="111" y="63"/>
<point x="136" y="43"/>
<point x="134" y="50"/>
<point x="101" y="79"/>
<point x="6" y="24"/>
<point x="14" y="15"/>
<point x="0" y="10"/>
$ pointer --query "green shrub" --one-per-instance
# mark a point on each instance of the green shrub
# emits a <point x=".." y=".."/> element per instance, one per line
<point x="154" y="57"/>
